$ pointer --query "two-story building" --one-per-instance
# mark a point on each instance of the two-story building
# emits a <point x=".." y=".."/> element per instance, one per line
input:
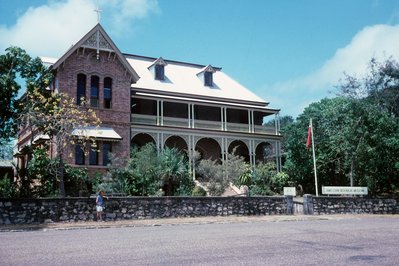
<point x="143" y="99"/>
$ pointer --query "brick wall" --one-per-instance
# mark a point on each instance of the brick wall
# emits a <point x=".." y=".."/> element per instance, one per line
<point x="118" y="117"/>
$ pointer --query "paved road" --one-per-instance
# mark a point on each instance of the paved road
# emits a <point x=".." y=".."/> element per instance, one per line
<point x="340" y="241"/>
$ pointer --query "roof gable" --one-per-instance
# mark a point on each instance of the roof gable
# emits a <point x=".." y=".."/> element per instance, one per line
<point x="99" y="40"/>
<point x="208" y="68"/>
<point x="159" y="61"/>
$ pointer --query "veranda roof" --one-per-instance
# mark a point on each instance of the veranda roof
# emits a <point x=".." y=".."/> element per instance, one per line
<point x="100" y="133"/>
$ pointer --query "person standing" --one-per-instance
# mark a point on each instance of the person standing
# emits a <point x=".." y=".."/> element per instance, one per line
<point x="100" y="205"/>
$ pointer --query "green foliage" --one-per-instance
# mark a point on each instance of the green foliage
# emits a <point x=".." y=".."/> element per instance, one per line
<point x="354" y="137"/>
<point x="198" y="192"/>
<point x="175" y="174"/>
<point x="75" y="179"/>
<point x="234" y="167"/>
<point x="380" y="85"/>
<point x="280" y="180"/>
<point x="149" y="173"/>
<point x="41" y="170"/>
<point x="217" y="177"/>
<point x="7" y="188"/>
<point x="266" y="181"/>
<point x="57" y="115"/>
<point x="246" y="177"/>
<point x="213" y="175"/>
<point x="143" y="171"/>
<point x="6" y="150"/>
<point x="15" y="64"/>
<point x="42" y="175"/>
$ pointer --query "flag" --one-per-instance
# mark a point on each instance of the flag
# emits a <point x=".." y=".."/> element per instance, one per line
<point x="308" y="142"/>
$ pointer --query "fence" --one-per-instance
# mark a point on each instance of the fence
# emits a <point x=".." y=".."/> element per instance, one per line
<point x="27" y="211"/>
<point x="349" y="205"/>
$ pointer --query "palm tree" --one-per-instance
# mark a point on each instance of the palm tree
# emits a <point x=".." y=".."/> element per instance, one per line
<point x="173" y="169"/>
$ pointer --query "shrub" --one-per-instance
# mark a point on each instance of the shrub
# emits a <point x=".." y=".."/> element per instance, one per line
<point x="198" y="192"/>
<point x="7" y="188"/>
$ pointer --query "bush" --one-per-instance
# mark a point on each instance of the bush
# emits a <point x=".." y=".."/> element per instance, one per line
<point x="7" y="188"/>
<point x="198" y="192"/>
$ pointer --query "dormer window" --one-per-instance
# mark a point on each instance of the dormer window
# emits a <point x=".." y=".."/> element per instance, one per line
<point x="208" y="79"/>
<point x="158" y="69"/>
<point x="159" y="72"/>
<point x="206" y="75"/>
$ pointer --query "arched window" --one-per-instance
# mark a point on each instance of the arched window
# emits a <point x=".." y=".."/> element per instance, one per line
<point x="93" y="154"/>
<point x="107" y="148"/>
<point x="81" y="89"/>
<point x="94" y="86"/>
<point x="107" y="93"/>
<point x="79" y="155"/>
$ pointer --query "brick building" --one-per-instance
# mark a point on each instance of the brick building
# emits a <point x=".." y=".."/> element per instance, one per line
<point x="172" y="104"/>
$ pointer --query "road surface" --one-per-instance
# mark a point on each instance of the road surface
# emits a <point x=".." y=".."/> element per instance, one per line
<point x="341" y="241"/>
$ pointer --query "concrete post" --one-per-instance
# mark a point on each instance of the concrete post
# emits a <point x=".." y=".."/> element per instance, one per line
<point x="308" y="204"/>
<point x="290" y="204"/>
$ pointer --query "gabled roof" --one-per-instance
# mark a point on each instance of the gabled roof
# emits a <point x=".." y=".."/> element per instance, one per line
<point x="159" y="61"/>
<point x="183" y="80"/>
<point x="208" y="68"/>
<point x="99" y="40"/>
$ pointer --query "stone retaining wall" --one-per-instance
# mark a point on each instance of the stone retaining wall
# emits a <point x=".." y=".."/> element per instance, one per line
<point x="28" y="211"/>
<point x="349" y="205"/>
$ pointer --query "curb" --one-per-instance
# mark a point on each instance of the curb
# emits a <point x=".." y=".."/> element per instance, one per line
<point x="181" y="221"/>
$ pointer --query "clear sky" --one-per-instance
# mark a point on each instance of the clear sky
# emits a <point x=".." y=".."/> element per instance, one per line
<point x="289" y="52"/>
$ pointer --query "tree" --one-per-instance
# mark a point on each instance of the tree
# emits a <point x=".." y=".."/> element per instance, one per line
<point x="149" y="171"/>
<point x="175" y="173"/>
<point x="213" y="175"/>
<point x="380" y="85"/>
<point x="218" y="177"/>
<point x="6" y="151"/>
<point x="265" y="180"/>
<point x="41" y="169"/>
<point x="17" y="65"/>
<point x="56" y="115"/>
<point x="355" y="140"/>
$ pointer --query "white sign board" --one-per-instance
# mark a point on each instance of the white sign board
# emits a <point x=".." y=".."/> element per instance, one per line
<point x="328" y="190"/>
<point x="289" y="191"/>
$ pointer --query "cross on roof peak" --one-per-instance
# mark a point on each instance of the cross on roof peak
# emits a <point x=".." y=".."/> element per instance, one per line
<point x="98" y="11"/>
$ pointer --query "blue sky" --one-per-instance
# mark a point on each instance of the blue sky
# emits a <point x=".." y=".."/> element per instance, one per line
<point x="290" y="53"/>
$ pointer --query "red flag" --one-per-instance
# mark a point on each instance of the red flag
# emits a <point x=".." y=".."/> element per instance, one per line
<point x="308" y="142"/>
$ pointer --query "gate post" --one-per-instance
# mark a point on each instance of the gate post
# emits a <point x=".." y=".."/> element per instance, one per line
<point x="308" y="204"/>
<point x="289" y="200"/>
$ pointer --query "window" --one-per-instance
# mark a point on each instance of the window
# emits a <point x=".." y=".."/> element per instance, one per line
<point x="93" y="154"/>
<point x="79" y="155"/>
<point x="208" y="79"/>
<point x="159" y="72"/>
<point x="107" y="148"/>
<point x="107" y="93"/>
<point x="81" y="89"/>
<point x="94" y="85"/>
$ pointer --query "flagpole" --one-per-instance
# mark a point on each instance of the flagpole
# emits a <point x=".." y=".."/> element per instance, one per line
<point x="314" y="159"/>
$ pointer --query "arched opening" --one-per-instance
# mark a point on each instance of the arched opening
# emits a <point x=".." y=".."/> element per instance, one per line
<point x="240" y="149"/>
<point x="178" y="143"/>
<point x="140" y="140"/>
<point x="264" y="152"/>
<point x="209" y="149"/>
